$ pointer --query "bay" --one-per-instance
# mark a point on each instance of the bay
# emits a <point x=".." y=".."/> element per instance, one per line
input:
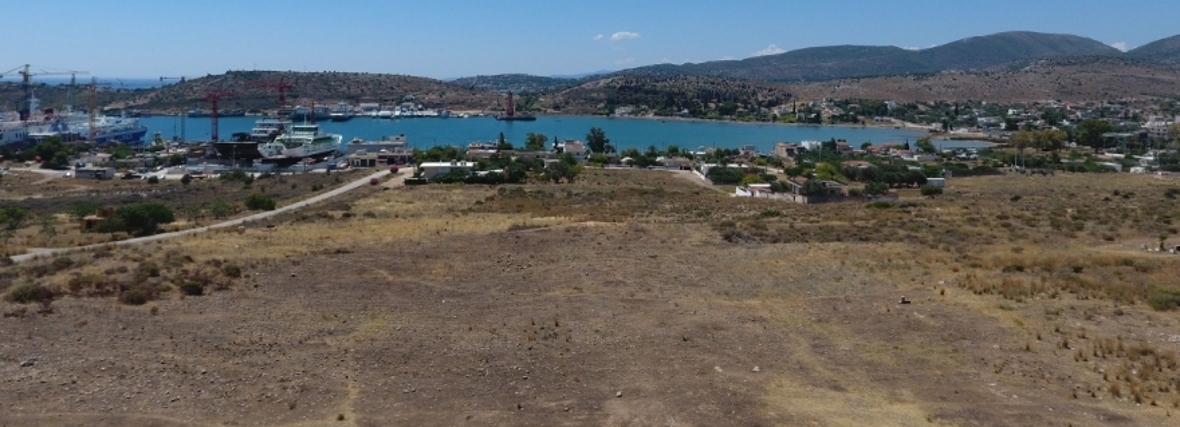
<point x="623" y="132"/>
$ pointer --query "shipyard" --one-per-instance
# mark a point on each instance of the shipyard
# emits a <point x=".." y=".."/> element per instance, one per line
<point x="466" y="213"/>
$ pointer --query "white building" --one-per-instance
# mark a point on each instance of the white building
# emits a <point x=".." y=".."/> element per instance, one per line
<point x="432" y="170"/>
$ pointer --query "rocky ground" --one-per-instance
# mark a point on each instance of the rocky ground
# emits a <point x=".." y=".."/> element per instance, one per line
<point x="644" y="321"/>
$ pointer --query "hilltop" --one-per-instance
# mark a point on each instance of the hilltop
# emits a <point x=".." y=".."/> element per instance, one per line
<point x="1164" y="51"/>
<point x="319" y="87"/>
<point x="1071" y="79"/>
<point x="838" y="62"/>
<point x="515" y="82"/>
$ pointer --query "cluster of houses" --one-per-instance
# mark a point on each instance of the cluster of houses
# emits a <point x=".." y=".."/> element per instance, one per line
<point x="479" y="150"/>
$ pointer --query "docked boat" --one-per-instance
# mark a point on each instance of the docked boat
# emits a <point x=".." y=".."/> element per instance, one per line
<point x="268" y="128"/>
<point x="385" y="144"/>
<point x="342" y="113"/>
<point x="241" y="147"/>
<point x="13" y="132"/>
<point x="77" y="127"/>
<point x="197" y="112"/>
<point x="301" y="113"/>
<point x="302" y="141"/>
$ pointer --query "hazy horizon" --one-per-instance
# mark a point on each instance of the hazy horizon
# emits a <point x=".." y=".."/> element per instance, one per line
<point x="468" y="38"/>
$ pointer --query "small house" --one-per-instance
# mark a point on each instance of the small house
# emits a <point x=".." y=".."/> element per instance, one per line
<point x="92" y="172"/>
<point x="432" y="170"/>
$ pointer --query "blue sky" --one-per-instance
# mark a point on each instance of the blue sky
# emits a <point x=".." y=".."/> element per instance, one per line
<point x="454" y="38"/>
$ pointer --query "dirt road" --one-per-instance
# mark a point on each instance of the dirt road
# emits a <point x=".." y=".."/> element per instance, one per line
<point x="396" y="181"/>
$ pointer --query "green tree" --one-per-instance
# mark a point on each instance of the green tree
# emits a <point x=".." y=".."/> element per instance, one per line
<point x="813" y="187"/>
<point x="142" y="219"/>
<point x="12" y="217"/>
<point x="1090" y="133"/>
<point x="503" y="144"/>
<point x="121" y="151"/>
<point x="876" y="188"/>
<point x="186" y="179"/>
<point x="221" y="209"/>
<point x="82" y="209"/>
<point x="931" y="191"/>
<point x="597" y="142"/>
<point x="260" y="202"/>
<point x="924" y="145"/>
<point x="47" y="228"/>
<point x="535" y="141"/>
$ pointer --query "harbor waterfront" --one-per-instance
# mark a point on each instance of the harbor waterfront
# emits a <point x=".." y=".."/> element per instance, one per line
<point x="623" y="132"/>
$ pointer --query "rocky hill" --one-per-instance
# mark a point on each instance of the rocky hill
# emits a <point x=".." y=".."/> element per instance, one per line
<point x="319" y="87"/>
<point x="1165" y="51"/>
<point x="515" y="82"/>
<point x="1066" y="79"/>
<point x="838" y="62"/>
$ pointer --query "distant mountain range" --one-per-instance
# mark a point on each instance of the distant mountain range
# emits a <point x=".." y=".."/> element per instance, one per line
<point x="850" y="61"/>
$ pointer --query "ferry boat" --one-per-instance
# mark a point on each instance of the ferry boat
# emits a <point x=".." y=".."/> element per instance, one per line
<point x="13" y="133"/>
<point x="267" y="128"/>
<point x="301" y="113"/>
<point x="107" y="129"/>
<point x="342" y="113"/>
<point x="301" y="141"/>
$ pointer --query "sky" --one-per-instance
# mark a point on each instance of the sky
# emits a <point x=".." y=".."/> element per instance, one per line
<point x="456" y="38"/>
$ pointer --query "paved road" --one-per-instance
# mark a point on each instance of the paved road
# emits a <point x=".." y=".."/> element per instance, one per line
<point x="398" y="180"/>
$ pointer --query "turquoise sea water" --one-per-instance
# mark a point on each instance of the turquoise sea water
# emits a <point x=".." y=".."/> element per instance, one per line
<point x="623" y="133"/>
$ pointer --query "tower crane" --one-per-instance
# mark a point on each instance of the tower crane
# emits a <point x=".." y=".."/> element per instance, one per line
<point x="212" y="98"/>
<point x="26" y="75"/>
<point x="282" y="85"/>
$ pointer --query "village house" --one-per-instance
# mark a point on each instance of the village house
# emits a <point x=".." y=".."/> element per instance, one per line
<point x="432" y="170"/>
<point x="787" y="150"/>
<point x="574" y="148"/>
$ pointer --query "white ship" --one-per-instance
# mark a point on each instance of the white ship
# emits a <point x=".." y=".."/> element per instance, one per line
<point x="301" y="141"/>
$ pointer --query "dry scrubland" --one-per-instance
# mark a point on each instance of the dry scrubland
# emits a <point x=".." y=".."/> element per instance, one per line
<point x="629" y="298"/>
<point x="50" y="197"/>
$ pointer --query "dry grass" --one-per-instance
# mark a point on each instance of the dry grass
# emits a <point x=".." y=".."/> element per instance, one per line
<point x="436" y="302"/>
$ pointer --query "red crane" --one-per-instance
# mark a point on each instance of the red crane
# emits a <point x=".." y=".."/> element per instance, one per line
<point x="282" y="85"/>
<point x="212" y="98"/>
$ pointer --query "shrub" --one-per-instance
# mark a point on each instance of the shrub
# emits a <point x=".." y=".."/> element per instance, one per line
<point x="186" y="179"/>
<point x="153" y="179"/>
<point x="771" y="213"/>
<point x="141" y="219"/>
<point x="260" y="202"/>
<point x="29" y="293"/>
<point x="1164" y="300"/>
<point x="62" y="263"/>
<point x="134" y="296"/>
<point x="82" y="209"/>
<point x="931" y="191"/>
<point x="147" y="269"/>
<point x="192" y="288"/>
<point x="231" y="270"/>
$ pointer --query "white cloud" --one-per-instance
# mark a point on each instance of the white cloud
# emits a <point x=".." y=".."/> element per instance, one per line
<point x="912" y="48"/>
<point x="1122" y="46"/>
<point x="727" y="58"/>
<point x="625" y="61"/>
<point x="623" y="35"/>
<point x="598" y="37"/>
<point x="770" y="50"/>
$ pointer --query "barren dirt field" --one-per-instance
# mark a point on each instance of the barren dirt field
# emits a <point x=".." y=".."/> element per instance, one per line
<point x="629" y="298"/>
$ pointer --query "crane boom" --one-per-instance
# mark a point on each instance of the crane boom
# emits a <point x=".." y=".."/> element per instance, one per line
<point x="27" y="75"/>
